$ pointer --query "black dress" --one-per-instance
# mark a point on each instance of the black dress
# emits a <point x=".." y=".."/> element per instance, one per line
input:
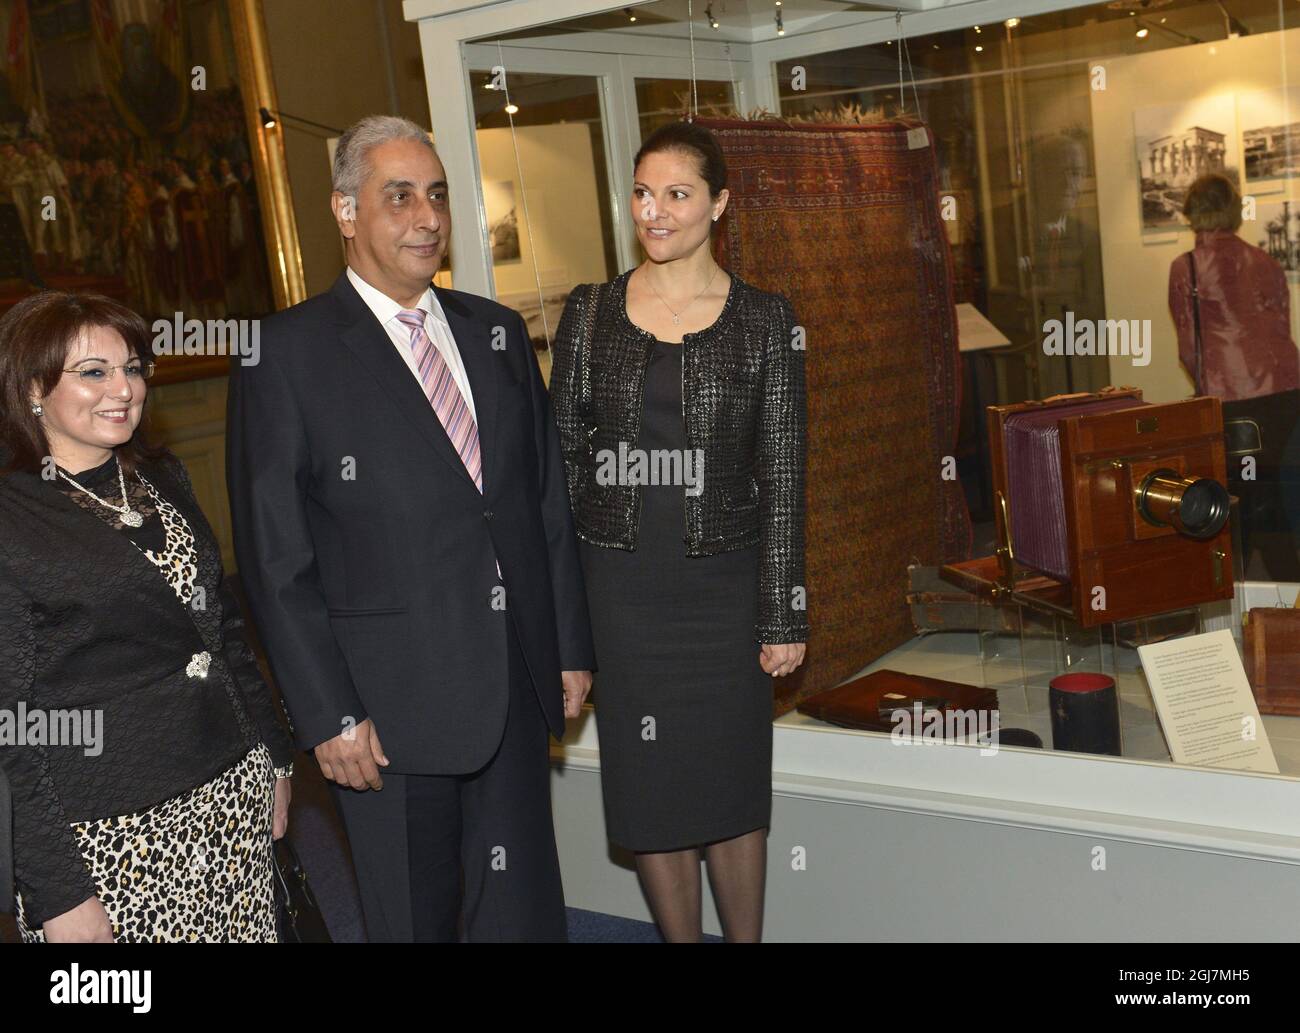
<point x="683" y="708"/>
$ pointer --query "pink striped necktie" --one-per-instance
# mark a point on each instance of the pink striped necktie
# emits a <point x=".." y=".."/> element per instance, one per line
<point x="443" y="394"/>
<point x="445" y="397"/>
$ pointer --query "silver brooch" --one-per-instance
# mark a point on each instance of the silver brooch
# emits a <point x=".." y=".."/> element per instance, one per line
<point x="199" y="664"/>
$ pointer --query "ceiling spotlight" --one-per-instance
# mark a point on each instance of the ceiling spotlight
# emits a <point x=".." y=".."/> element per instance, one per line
<point x="631" y="15"/>
<point x="977" y="28"/>
<point x="512" y="109"/>
<point x="780" y="25"/>
<point x="1142" y="33"/>
<point x="1011" y="23"/>
<point x="708" y="13"/>
<point x="979" y="50"/>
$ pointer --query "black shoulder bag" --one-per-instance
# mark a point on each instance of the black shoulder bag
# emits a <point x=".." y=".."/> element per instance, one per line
<point x="1241" y="436"/>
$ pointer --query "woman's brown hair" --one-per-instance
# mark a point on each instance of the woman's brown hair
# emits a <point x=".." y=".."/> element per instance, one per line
<point x="694" y="140"/>
<point x="36" y="336"/>
<point x="1212" y="203"/>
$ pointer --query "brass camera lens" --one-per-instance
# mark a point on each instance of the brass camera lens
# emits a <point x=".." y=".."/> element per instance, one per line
<point x="1197" y="507"/>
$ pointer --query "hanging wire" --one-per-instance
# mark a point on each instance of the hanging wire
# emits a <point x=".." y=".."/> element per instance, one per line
<point x="898" y="31"/>
<point x="523" y="190"/>
<point x="731" y="72"/>
<point x="695" y="93"/>
<point x="901" y="43"/>
<point x="910" y="74"/>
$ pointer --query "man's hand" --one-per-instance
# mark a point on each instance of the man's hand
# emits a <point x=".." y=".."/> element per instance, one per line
<point x="781" y="660"/>
<point x="280" y="814"/>
<point x="350" y="758"/>
<point x="86" y="923"/>
<point x="576" y="686"/>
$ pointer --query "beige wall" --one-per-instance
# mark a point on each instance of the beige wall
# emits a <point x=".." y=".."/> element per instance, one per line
<point x="1137" y="273"/>
<point x="560" y="175"/>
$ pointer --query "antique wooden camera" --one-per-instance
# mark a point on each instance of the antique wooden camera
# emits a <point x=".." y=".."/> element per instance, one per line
<point x="1107" y="508"/>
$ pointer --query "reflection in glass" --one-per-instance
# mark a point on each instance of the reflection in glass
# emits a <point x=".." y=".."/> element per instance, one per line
<point x="557" y="140"/>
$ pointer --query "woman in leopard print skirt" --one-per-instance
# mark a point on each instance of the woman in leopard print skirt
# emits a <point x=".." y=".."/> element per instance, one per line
<point x="153" y="772"/>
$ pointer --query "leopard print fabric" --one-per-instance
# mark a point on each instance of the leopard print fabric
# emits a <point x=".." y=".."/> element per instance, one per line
<point x="177" y="562"/>
<point x="193" y="868"/>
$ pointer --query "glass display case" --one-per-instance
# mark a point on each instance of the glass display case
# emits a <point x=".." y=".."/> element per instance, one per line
<point x="1067" y="137"/>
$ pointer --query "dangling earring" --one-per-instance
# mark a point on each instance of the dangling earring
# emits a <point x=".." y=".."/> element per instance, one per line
<point x="38" y="409"/>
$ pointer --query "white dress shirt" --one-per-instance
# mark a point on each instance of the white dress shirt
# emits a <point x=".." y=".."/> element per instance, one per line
<point x="435" y="325"/>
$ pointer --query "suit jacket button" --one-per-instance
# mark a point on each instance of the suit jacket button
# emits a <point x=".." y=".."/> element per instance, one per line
<point x="487" y="514"/>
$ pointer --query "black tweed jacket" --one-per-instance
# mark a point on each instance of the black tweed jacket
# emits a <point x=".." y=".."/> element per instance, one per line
<point x="743" y="402"/>
<point x="88" y="623"/>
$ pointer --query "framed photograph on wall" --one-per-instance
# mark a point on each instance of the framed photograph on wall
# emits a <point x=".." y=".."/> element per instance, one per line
<point x="1176" y="143"/>
<point x="134" y="163"/>
<point x="1270" y="138"/>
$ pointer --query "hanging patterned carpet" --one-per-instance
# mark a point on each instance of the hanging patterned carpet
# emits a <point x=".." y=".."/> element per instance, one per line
<point x="844" y="220"/>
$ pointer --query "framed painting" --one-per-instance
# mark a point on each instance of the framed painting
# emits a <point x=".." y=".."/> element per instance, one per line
<point x="134" y="163"/>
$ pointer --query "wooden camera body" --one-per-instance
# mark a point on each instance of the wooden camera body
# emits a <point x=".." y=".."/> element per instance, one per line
<point x="1142" y="496"/>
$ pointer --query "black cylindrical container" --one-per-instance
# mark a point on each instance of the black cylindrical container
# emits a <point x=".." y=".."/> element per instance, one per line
<point x="1085" y="713"/>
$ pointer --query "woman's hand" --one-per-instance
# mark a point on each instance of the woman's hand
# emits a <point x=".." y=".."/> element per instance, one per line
<point x="780" y="660"/>
<point x="86" y="923"/>
<point x="280" y="819"/>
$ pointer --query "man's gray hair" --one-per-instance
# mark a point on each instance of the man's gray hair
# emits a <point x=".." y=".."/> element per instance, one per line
<point x="352" y="155"/>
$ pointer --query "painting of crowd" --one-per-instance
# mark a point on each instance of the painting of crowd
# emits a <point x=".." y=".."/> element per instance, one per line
<point x="173" y="219"/>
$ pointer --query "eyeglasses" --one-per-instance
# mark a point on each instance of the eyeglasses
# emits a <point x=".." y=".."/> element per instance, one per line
<point x="102" y="371"/>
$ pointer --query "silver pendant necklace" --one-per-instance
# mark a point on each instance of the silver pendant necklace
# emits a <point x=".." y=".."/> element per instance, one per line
<point x="129" y="516"/>
<point x="676" y="315"/>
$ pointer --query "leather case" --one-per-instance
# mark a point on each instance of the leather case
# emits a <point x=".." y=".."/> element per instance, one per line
<point x="857" y="704"/>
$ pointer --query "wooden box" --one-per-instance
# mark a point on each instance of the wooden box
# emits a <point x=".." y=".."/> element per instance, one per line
<point x="1271" y="648"/>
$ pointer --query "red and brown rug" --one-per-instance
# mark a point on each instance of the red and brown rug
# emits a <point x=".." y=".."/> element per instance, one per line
<point x="844" y="220"/>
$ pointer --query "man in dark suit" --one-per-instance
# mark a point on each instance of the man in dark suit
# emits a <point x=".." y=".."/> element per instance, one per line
<point x="404" y="535"/>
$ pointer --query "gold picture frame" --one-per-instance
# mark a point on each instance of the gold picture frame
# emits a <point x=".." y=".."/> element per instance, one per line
<point x="279" y="227"/>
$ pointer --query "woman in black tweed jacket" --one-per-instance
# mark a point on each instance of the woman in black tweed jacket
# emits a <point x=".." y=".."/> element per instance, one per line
<point x="148" y="767"/>
<point x="679" y="395"/>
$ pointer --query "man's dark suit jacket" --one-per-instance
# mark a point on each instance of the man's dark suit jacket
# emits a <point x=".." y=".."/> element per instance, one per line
<point x="366" y="550"/>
